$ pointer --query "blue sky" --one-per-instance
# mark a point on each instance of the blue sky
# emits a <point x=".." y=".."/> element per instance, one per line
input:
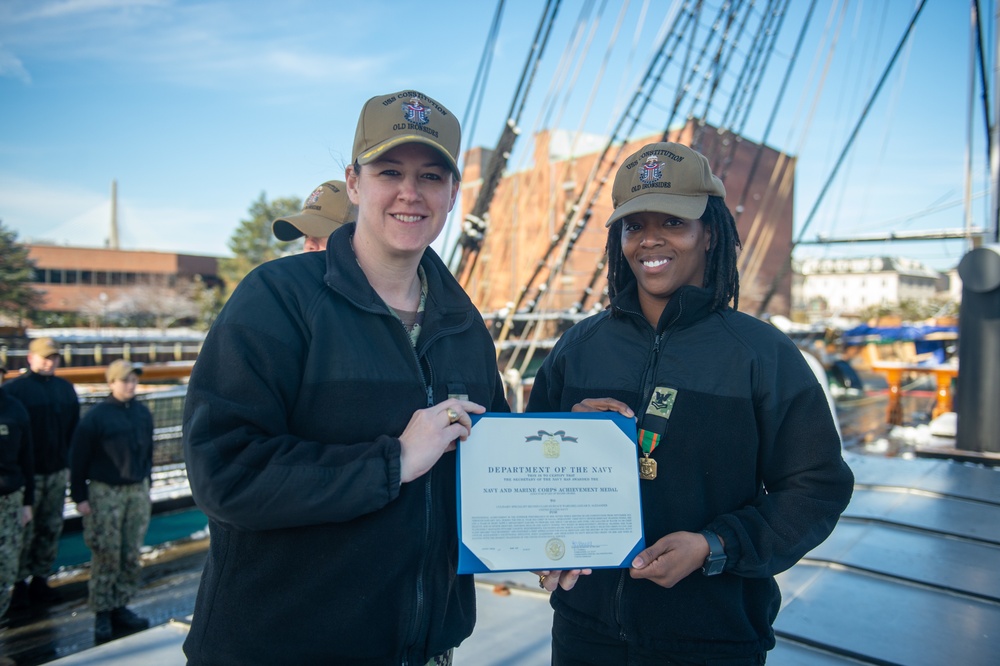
<point x="195" y="108"/>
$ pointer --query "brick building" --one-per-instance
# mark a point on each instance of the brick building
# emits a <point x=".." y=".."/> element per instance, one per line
<point x="75" y="279"/>
<point x="530" y="206"/>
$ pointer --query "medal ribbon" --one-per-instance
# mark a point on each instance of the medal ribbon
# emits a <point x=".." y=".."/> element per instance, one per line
<point x="648" y="440"/>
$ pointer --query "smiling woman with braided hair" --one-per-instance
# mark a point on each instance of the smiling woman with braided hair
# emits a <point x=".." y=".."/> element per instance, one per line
<point x="740" y="461"/>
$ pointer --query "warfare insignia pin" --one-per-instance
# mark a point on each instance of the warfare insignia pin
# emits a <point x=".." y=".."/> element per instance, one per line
<point x="662" y="402"/>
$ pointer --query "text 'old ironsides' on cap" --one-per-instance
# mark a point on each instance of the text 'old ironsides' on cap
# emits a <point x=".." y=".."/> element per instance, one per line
<point x="323" y="212"/>
<point x="667" y="178"/>
<point x="43" y="347"/>
<point x="121" y="369"/>
<point x="409" y="116"/>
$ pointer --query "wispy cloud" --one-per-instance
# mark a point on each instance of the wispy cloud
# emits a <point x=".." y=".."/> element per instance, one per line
<point x="12" y="67"/>
<point x="202" y="45"/>
<point x="53" y="10"/>
<point x="70" y="215"/>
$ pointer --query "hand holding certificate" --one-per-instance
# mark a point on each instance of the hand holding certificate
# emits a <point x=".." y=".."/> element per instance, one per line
<point x="548" y="491"/>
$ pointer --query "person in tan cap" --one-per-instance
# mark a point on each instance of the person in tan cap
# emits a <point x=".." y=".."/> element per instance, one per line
<point x="325" y="460"/>
<point x="325" y="210"/>
<point x="54" y="410"/>
<point x="111" y="461"/>
<point x="739" y="458"/>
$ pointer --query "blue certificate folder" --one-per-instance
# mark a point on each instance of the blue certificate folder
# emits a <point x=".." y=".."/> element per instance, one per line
<point x="469" y="562"/>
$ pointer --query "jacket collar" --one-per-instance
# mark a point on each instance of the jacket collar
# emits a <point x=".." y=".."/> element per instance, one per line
<point x="686" y="306"/>
<point x="343" y="274"/>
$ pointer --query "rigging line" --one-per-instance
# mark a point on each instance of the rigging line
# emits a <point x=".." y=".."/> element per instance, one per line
<point x="773" y="29"/>
<point x="719" y="64"/>
<point x="623" y="82"/>
<point x="681" y="92"/>
<point x="890" y="113"/>
<point x="686" y="67"/>
<point x="692" y="23"/>
<point x="498" y="163"/>
<point x="990" y="124"/>
<point x="771" y="25"/>
<point x="474" y="228"/>
<point x="651" y="74"/>
<point x="740" y="93"/>
<point x="748" y="81"/>
<point x="573" y="64"/>
<point x="983" y="83"/>
<point x="850" y="142"/>
<point x="557" y="266"/>
<point x="476" y="96"/>
<point x="602" y="70"/>
<point x="752" y="258"/>
<point x="477" y="93"/>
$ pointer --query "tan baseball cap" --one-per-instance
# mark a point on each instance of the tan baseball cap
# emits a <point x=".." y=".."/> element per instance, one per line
<point x="665" y="178"/>
<point x="406" y="117"/>
<point x="323" y="212"/>
<point x="121" y="369"/>
<point x="43" y="347"/>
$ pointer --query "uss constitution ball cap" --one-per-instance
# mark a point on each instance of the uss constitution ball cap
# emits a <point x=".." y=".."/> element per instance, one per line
<point x="323" y="212"/>
<point x="121" y="369"/>
<point x="43" y="347"/>
<point x="667" y="178"/>
<point x="408" y="116"/>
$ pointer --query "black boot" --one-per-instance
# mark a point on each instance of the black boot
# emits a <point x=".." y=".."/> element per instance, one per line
<point x="20" y="600"/>
<point x="123" y="618"/>
<point x="102" y="626"/>
<point x="41" y="593"/>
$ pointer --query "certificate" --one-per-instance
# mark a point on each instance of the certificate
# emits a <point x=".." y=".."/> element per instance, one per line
<point x="548" y="491"/>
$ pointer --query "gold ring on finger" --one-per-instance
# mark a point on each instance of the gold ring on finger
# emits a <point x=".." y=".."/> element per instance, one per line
<point x="541" y="581"/>
<point x="452" y="415"/>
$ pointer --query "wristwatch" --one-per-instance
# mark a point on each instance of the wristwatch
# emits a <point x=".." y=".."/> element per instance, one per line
<point x="716" y="560"/>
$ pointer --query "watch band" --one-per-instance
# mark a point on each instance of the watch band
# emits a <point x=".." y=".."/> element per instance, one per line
<point x="716" y="560"/>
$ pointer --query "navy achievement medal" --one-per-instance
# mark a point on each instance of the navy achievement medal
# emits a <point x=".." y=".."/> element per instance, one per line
<point x="657" y="416"/>
<point x="647" y="466"/>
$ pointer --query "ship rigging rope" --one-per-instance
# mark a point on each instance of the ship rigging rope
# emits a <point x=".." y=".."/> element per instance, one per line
<point x="474" y="229"/>
<point x="578" y="216"/>
<point x="774" y="109"/>
<point x="505" y="328"/>
<point x="574" y="212"/>
<point x="721" y="57"/>
<point x="720" y="60"/>
<point x="476" y="95"/>
<point x="847" y="147"/>
<point x="768" y="38"/>
<point x="573" y="54"/>
<point x="761" y="235"/>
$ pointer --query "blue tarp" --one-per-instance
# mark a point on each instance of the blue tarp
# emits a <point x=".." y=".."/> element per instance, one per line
<point x="863" y="334"/>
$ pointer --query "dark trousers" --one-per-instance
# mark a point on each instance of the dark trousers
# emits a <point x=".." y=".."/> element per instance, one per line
<point x="574" y="646"/>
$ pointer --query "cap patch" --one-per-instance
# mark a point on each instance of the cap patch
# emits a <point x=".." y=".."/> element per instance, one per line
<point x="651" y="171"/>
<point x="415" y="112"/>
<point x="314" y="197"/>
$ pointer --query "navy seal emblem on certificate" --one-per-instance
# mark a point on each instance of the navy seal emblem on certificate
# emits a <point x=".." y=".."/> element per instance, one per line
<point x="544" y="491"/>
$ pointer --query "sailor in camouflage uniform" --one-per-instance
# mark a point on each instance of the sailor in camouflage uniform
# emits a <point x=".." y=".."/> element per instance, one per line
<point x="54" y="411"/>
<point x="17" y="487"/>
<point x="111" y="460"/>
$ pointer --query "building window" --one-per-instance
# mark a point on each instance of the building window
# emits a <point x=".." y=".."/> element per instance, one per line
<point x="102" y="277"/>
<point x="86" y="277"/>
<point x="71" y="275"/>
<point x="55" y="276"/>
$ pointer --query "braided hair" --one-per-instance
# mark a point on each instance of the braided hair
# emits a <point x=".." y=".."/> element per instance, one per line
<point x="721" y="274"/>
